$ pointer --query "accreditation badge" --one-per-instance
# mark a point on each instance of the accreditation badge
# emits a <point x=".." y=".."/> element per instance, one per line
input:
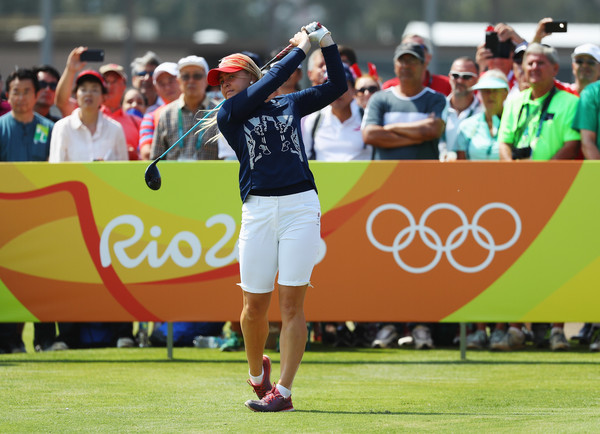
<point x="41" y="134"/>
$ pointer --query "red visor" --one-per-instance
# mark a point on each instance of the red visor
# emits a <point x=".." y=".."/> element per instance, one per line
<point x="232" y="63"/>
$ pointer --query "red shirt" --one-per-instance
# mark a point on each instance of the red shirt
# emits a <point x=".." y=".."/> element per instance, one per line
<point x="439" y="83"/>
<point x="567" y="87"/>
<point x="131" y="128"/>
<point x="4" y="107"/>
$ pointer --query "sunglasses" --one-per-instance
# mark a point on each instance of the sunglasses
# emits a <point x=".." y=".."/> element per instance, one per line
<point x="195" y="76"/>
<point x="143" y="73"/>
<point x="462" y="75"/>
<point x="45" y="84"/>
<point x="371" y="89"/>
<point x="588" y="62"/>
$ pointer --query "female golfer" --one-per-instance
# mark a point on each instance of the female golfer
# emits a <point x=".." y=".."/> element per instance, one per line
<point x="280" y="229"/>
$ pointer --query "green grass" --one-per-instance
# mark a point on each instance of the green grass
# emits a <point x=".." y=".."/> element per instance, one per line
<point x="358" y="390"/>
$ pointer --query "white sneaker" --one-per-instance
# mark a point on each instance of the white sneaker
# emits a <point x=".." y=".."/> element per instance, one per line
<point x="422" y="338"/>
<point x="477" y="340"/>
<point x="125" y="343"/>
<point x="58" y="346"/>
<point x="512" y="340"/>
<point x="558" y="341"/>
<point x="385" y="337"/>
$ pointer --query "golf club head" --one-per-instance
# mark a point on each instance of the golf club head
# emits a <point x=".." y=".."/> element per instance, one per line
<point x="152" y="176"/>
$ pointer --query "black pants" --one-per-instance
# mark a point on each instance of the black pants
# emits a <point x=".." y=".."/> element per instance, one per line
<point x="11" y="337"/>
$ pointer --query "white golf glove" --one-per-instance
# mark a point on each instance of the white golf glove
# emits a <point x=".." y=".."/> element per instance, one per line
<point x="316" y="32"/>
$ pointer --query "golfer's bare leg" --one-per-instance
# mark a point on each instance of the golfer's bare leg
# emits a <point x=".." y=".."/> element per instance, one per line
<point x="292" y="340"/>
<point x="255" y="327"/>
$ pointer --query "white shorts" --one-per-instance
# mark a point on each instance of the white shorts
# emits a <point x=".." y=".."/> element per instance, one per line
<point x="279" y="233"/>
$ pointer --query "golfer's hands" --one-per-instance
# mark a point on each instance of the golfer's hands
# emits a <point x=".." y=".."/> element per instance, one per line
<point x="318" y="33"/>
<point x="301" y="40"/>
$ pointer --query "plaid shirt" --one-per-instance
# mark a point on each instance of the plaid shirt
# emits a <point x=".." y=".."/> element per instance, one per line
<point x="169" y="130"/>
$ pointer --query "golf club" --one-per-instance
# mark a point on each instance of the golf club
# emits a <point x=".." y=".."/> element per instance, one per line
<point x="152" y="175"/>
<point x="284" y="52"/>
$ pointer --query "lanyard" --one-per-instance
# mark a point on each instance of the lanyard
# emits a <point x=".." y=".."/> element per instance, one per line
<point x="180" y="131"/>
<point x="493" y="133"/>
<point x="524" y="128"/>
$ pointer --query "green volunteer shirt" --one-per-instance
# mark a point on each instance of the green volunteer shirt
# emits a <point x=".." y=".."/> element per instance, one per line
<point x="523" y="130"/>
<point x="587" y="116"/>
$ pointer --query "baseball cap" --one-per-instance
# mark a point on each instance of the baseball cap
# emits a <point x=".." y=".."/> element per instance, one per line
<point x="349" y="75"/>
<point x="232" y="63"/>
<point x="192" y="61"/>
<point x="589" y="49"/>
<point x="416" y="50"/>
<point x="94" y="75"/>
<point x="519" y="52"/>
<point x="165" y="67"/>
<point x="113" y="67"/>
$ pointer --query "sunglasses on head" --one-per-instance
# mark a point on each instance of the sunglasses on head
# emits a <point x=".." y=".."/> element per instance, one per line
<point x="371" y="89"/>
<point x="45" y="84"/>
<point x="195" y="76"/>
<point x="463" y="75"/>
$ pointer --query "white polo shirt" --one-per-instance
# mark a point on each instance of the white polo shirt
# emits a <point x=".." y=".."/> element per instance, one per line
<point x="72" y="141"/>
<point x="335" y="140"/>
<point x="453" y="119"/>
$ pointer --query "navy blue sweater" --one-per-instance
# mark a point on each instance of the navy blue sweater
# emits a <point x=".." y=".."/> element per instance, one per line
<point x="266" y="136"/>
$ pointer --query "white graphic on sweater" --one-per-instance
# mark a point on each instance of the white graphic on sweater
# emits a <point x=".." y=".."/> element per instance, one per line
<point x="256" y="132"/>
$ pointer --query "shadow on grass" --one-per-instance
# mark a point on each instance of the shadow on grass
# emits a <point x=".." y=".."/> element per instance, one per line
<point x="391" y="413"/>
<point x="361" y="359"/>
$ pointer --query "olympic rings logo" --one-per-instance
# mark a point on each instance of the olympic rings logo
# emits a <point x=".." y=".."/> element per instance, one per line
<point x="431" y="239"/>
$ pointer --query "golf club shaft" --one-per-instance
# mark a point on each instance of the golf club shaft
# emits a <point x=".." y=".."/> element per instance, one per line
<point x="277" y="57"/>
<point x="280" y="55"/>
<point x="190" y="130"/>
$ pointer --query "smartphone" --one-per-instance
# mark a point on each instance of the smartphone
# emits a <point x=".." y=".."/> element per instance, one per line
<point x="498" y="49"/>
<point x="92" y="55"/>
<point x="491" y="42"/>
<point x="555" y="27"/>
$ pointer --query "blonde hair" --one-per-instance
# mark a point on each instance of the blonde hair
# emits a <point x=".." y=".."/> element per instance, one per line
<point x="210" y="124"/>
<point x="242" y="61"/>
<point x="372" y="77"/>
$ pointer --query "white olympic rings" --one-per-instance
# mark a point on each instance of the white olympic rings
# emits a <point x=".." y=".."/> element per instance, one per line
<point x="431" y="239"/>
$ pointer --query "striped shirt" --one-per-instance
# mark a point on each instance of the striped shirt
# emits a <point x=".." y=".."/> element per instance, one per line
<point x="174" y="121"/>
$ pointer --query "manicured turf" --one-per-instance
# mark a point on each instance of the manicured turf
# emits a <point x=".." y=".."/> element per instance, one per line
<point x="358" y="390"/>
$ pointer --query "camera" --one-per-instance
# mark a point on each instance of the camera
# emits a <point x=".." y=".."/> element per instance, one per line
<point x="92" y="55"/>
<point x="498" y="49"/>
<point x="521" y="153"/>
<point x="555" y="27"/>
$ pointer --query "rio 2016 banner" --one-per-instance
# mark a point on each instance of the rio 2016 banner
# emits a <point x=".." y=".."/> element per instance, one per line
<point x="401" y="241"/>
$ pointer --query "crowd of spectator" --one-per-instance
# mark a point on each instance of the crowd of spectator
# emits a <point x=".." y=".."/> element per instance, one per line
<point x="491" y="106"/>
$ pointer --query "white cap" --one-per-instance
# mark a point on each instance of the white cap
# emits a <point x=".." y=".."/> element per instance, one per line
<point x="193" y="61"/>
<point x="589" y="49"/>
<point x="168" y="67"/>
